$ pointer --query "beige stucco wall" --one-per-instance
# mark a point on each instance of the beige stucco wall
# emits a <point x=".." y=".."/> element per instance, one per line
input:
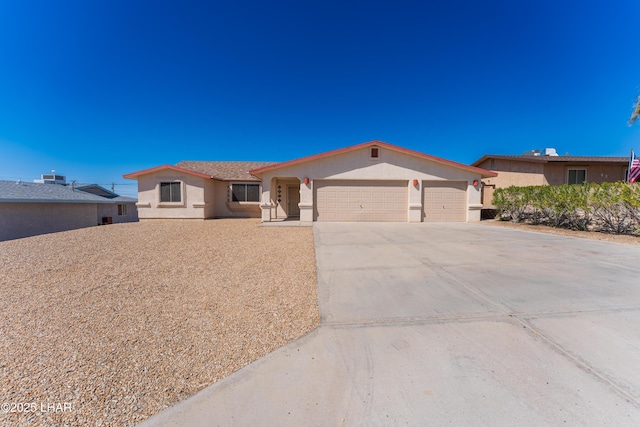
<point x="510" y="173"/>
<point x="111" y="210"/>
<point x="514" y="173"/>
<point x="357" y="165"/>
<point x="30" y="219"/>
<point x="202" y="198"/>
<point x="225" y="208"/>
<point x="193" y="203"/>
<point x="209" y="199"/>
<point x="557" y="173"/>
<point x="520" y="174"/>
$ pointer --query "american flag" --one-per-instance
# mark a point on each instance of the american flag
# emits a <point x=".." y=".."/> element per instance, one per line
<point x="634" y="168"/>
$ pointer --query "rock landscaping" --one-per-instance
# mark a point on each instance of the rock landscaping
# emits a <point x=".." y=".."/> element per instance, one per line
<point x="110" y="325"/>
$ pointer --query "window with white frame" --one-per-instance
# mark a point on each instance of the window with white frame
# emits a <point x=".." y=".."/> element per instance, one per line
<point x="170" y="192"/>
<point x="576" y="176"/>
<point x="122" y="209"/>
<point x="245" y="192"/>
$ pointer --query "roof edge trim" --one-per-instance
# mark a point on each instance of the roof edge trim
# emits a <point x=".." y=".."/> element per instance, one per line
<point x="135" y="175"/>
<point x="483" y="172"/>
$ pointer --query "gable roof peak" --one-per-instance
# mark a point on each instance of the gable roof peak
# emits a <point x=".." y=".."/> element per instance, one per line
<point x="378" y="143"/>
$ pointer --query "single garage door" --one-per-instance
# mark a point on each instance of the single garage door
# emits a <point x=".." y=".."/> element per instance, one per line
<point x="444" y="201"/>
<point x="360" y="200"/>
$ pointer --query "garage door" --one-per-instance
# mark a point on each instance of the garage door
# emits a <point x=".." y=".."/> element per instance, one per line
<point x="360" y="200"/>
<point x="444" y="201"/>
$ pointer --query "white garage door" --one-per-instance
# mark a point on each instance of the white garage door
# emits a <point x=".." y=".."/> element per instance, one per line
<point x="444" y="201"/>
<point x="360" y="200"/>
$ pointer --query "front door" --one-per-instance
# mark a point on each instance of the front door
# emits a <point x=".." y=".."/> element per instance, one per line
<point x="293" y="198"/>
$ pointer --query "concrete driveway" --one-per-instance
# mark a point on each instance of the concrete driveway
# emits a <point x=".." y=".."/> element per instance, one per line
<point x="449" y="324"/>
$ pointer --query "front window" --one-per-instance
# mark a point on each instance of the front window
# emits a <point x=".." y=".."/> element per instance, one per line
<point x="122" y="210"/>
<point x="245" y="192"/>
<point x="577" y="176"/>
<point x="170" y="192"/>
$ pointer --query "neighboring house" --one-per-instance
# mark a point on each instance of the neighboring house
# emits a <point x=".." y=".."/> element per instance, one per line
<point x="28" y="209"/>
<point x="373" y="181"/>
<point x="121" y="209"/>
<point x="545" y="167"/>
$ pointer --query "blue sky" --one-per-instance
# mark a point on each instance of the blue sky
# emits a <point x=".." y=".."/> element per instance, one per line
<point x="96" y="89"/>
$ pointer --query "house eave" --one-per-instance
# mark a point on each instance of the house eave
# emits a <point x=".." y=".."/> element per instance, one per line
<point x="103" y="202"/>
<point x="483" y="172"/>
<point x="135" y="175"/>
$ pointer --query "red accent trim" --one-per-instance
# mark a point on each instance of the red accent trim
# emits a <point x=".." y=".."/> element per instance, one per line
<point x="485" y="173"/>
<point x="135" y="175"/>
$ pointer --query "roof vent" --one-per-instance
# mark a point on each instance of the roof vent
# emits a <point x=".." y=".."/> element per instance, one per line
<point x="548" y="152"/>
<point x="543" y="152"/>
<point x="51" y="178"/>
<point x="531" y="153"/>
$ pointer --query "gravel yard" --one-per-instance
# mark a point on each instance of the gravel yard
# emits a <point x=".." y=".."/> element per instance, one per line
<point x="593" y="235"/>
<point x="110" y="325"/>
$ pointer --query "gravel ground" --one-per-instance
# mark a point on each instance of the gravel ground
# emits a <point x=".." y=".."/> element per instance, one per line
<point x="593" y="235"/>
<point x="110" y="325"/>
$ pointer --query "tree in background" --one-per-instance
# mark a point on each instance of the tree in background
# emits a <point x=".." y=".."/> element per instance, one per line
<point x="636" y="112"/>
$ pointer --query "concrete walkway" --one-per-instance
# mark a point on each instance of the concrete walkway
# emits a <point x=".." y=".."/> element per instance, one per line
<point x="449" y="324"/>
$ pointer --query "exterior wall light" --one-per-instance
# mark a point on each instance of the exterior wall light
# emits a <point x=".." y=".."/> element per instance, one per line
<point x="475" y="182"/>
<point x="306" y="181"/>
<point x="415" y="182"/>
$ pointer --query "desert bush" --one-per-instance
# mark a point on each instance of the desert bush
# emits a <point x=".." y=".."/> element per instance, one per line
<point x="511" y="203"/>
<point x="607" y="207"/>
<point x="613" y="208"/>
<point x="630" y="194"/>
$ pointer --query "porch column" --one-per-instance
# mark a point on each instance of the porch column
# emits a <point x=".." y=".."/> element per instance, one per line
<point x="474" y="201"/>
<point x="306" y="201"/>
<point x="415" y="201"/>
<point x="265" y="203"/>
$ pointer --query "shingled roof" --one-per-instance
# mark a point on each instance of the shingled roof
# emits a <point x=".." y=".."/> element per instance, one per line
<point x="225" y="171"/>
<point x="32" y="192"/>
<point x="554" y="159"/>
<point x="12" y="191"/>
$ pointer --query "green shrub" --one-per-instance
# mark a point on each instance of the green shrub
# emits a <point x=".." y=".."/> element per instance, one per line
<point x="611" y="206"/>
<point x="608" y="207"/>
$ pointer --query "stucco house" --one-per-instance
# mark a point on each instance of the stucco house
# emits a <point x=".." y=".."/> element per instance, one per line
<point x="373" y="181"/>
<point x="28" y="209"/>
<point x="545" y="167"/>
<point x="199" y="190"/>
<point x="121" y="209"/>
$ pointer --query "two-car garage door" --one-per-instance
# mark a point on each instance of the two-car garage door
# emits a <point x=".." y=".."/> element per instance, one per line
<point x="442" y="201"/>
<point x="360" y="200"/>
